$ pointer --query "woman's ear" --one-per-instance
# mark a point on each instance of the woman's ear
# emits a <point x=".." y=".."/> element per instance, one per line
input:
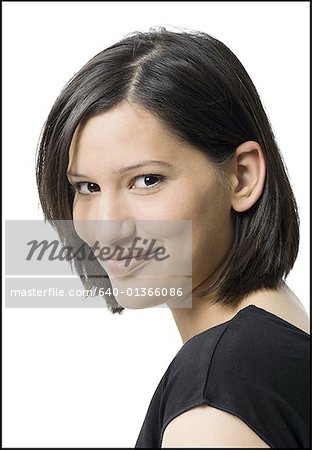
<point x="246" y="173"/>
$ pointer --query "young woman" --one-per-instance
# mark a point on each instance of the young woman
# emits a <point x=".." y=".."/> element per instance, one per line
<point x="168" y="126"/>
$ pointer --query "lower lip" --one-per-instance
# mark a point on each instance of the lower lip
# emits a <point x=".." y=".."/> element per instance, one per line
<point x="118" y="268"/>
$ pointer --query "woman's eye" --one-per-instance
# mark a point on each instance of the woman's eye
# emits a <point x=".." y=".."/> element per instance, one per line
<point x="141" y="182"/>
<point x="86" y="188"/>
<point x="147" y="181"/>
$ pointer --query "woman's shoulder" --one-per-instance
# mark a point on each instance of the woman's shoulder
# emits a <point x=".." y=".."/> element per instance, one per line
<point x="254" y="326"/>
<point x="253" y="342"/>
<point x="255" y="362"/>
<point x="282" y="303"/>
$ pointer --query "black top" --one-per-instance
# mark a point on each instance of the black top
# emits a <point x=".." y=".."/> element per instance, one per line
<point x="255" y="366"/>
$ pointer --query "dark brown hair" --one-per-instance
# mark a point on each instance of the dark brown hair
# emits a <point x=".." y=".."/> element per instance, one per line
<point x="201" y="92"/>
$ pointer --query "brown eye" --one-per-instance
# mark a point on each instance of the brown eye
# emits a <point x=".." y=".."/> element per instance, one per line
<point x="147" y="181"/>
<point x="86" y="188"/>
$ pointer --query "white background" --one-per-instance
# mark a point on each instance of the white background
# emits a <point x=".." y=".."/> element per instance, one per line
<point x="84" y="378"/>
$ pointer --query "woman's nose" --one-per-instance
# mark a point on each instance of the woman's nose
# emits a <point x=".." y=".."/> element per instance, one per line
<point x="110" y="221"/>
<point x="110" y="233"/>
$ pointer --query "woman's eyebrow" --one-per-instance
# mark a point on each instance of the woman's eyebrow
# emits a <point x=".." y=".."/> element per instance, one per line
<point x="144" y="163"/>
<point x="78" y="175"/>
<point x="128" y="168"/>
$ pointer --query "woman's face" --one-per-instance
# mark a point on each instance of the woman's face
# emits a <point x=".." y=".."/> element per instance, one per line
<point x="135" y="178"/>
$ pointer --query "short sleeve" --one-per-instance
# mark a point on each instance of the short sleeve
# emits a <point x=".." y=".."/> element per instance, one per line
<point x="260" y="373"/>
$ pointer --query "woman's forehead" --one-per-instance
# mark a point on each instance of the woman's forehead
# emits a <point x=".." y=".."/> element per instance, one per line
<point x="129" y="135"/>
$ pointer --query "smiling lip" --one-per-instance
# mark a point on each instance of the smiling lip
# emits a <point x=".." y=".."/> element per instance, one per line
<point x="133" y="255"/>
<point x="117" y="267"/>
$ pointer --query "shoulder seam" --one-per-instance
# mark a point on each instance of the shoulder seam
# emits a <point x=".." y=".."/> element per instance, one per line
<point x="213" y="353"/>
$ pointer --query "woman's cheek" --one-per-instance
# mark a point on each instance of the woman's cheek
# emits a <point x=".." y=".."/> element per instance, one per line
<point x="175" y="205"/>
<point x="78" y="212"/>
<point x="83" y="210"/>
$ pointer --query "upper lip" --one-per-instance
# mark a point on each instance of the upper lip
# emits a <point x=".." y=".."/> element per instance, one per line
<point x="134" y="255"/>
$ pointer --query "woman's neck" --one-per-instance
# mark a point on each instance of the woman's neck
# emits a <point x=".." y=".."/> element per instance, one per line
<point x="202" y="315"/>
<point x="205" y="313"/>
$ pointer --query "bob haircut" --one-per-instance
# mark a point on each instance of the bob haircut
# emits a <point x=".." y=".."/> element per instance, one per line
<point x="200" y="92"/>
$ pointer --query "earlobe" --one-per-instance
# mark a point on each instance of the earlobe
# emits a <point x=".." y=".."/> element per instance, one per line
<point x="247" y="176"/>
